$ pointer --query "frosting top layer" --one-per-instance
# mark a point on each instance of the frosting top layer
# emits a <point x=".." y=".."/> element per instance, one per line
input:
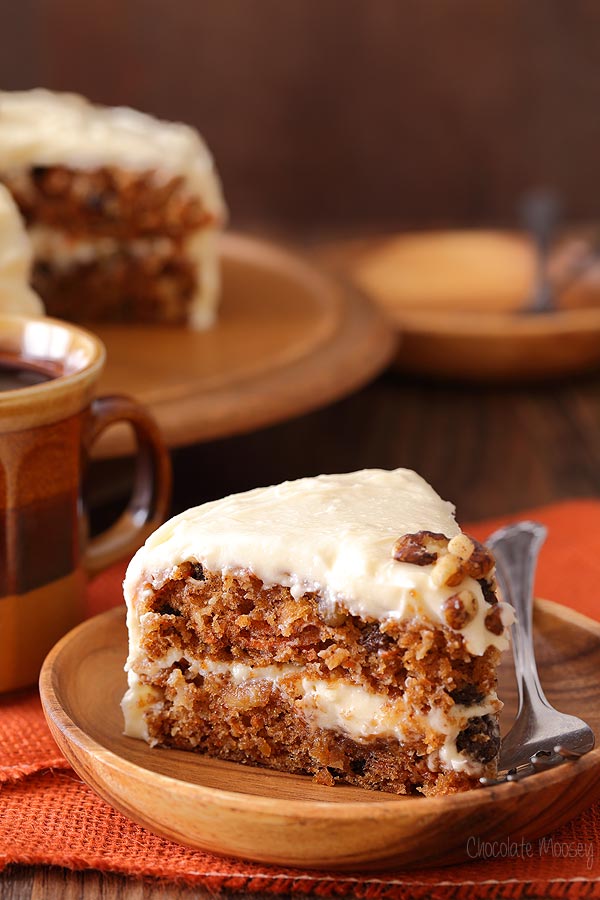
<point x="333" y="534"/>
<point x="15" y="262"/>
<point x="42" y="128"/>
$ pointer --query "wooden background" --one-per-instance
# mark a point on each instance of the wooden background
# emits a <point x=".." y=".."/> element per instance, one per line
<point x="349" y="115"/>
<point x="337" y="113"/>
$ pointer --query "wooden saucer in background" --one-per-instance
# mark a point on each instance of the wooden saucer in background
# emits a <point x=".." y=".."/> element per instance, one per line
<point x="459" y="299"/>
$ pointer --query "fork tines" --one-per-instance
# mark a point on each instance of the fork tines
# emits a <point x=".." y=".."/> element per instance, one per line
<point x="539" y="762"/>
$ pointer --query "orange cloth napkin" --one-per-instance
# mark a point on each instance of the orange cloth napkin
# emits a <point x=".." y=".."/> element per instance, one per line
<point x="49" y="816"/>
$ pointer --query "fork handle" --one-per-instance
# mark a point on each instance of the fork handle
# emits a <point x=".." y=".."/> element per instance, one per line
<point x="516" y="549"/>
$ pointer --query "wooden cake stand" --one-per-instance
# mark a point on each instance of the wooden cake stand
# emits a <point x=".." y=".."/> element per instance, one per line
<point x="288" y="340"/>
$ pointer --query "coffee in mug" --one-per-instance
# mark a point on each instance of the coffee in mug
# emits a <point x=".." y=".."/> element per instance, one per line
<point x="16" y="374"/>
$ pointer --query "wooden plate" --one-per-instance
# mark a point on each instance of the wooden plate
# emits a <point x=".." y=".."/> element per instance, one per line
<point x="288" y="820"/>
<point x="288" y="339"/>
<point x="458" y="298"/>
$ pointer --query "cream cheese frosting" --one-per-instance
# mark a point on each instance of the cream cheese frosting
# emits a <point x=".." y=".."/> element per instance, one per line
<point x="16" y="296"/>
<point x="333" y="535"/>
<point x="43" y="128"/>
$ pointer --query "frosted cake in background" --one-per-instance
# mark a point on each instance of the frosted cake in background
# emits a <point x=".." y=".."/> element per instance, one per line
<point x="340" y="626"/>
<point x="16" y="296"/>
<point x="122" y="210"/>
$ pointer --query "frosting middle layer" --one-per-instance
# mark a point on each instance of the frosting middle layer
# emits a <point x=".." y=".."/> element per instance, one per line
<point x="332" y="704"/>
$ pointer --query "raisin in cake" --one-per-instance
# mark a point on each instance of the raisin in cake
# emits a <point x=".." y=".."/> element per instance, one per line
<point x="122" y="210"/>
<point x="16" y="296"/>
<point x="340" y="626"/>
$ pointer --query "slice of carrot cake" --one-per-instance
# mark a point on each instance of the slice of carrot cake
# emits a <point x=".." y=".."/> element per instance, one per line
<point x="340" y="626"/>
<point x="122" y="209"/>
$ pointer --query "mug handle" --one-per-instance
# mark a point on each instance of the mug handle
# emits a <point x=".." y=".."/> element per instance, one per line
<point x="151" y="494"/>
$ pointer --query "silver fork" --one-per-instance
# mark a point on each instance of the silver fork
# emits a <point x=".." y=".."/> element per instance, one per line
<point x="541" y="736"/>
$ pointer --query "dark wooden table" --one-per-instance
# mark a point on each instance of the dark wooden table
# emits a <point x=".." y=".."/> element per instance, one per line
<point x="491" y="450"/>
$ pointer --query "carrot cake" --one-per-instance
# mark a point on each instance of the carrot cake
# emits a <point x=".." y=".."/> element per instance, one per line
<point x="341" y="626"/>
<point x="16" y="296"/>
<point x="122" y="210"/>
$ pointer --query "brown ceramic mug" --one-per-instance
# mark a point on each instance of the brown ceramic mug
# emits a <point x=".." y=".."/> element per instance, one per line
<point x="49" y="420"/>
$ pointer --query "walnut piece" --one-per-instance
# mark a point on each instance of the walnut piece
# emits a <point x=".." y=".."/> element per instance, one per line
<point x="477" y="560"/>
<point x="421" y="548"/>
<point x="448" y="571"/>
<point x="461" y="545"/>
<point x="453" y="559"/>
<point x="460" y="609"/>
<point x="493" y="620"/>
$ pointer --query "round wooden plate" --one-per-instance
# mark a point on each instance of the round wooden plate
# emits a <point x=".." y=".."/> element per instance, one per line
<point x="288" y="339"/>
<point x="459" y="299"/>
<point x="271" y="817"/>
